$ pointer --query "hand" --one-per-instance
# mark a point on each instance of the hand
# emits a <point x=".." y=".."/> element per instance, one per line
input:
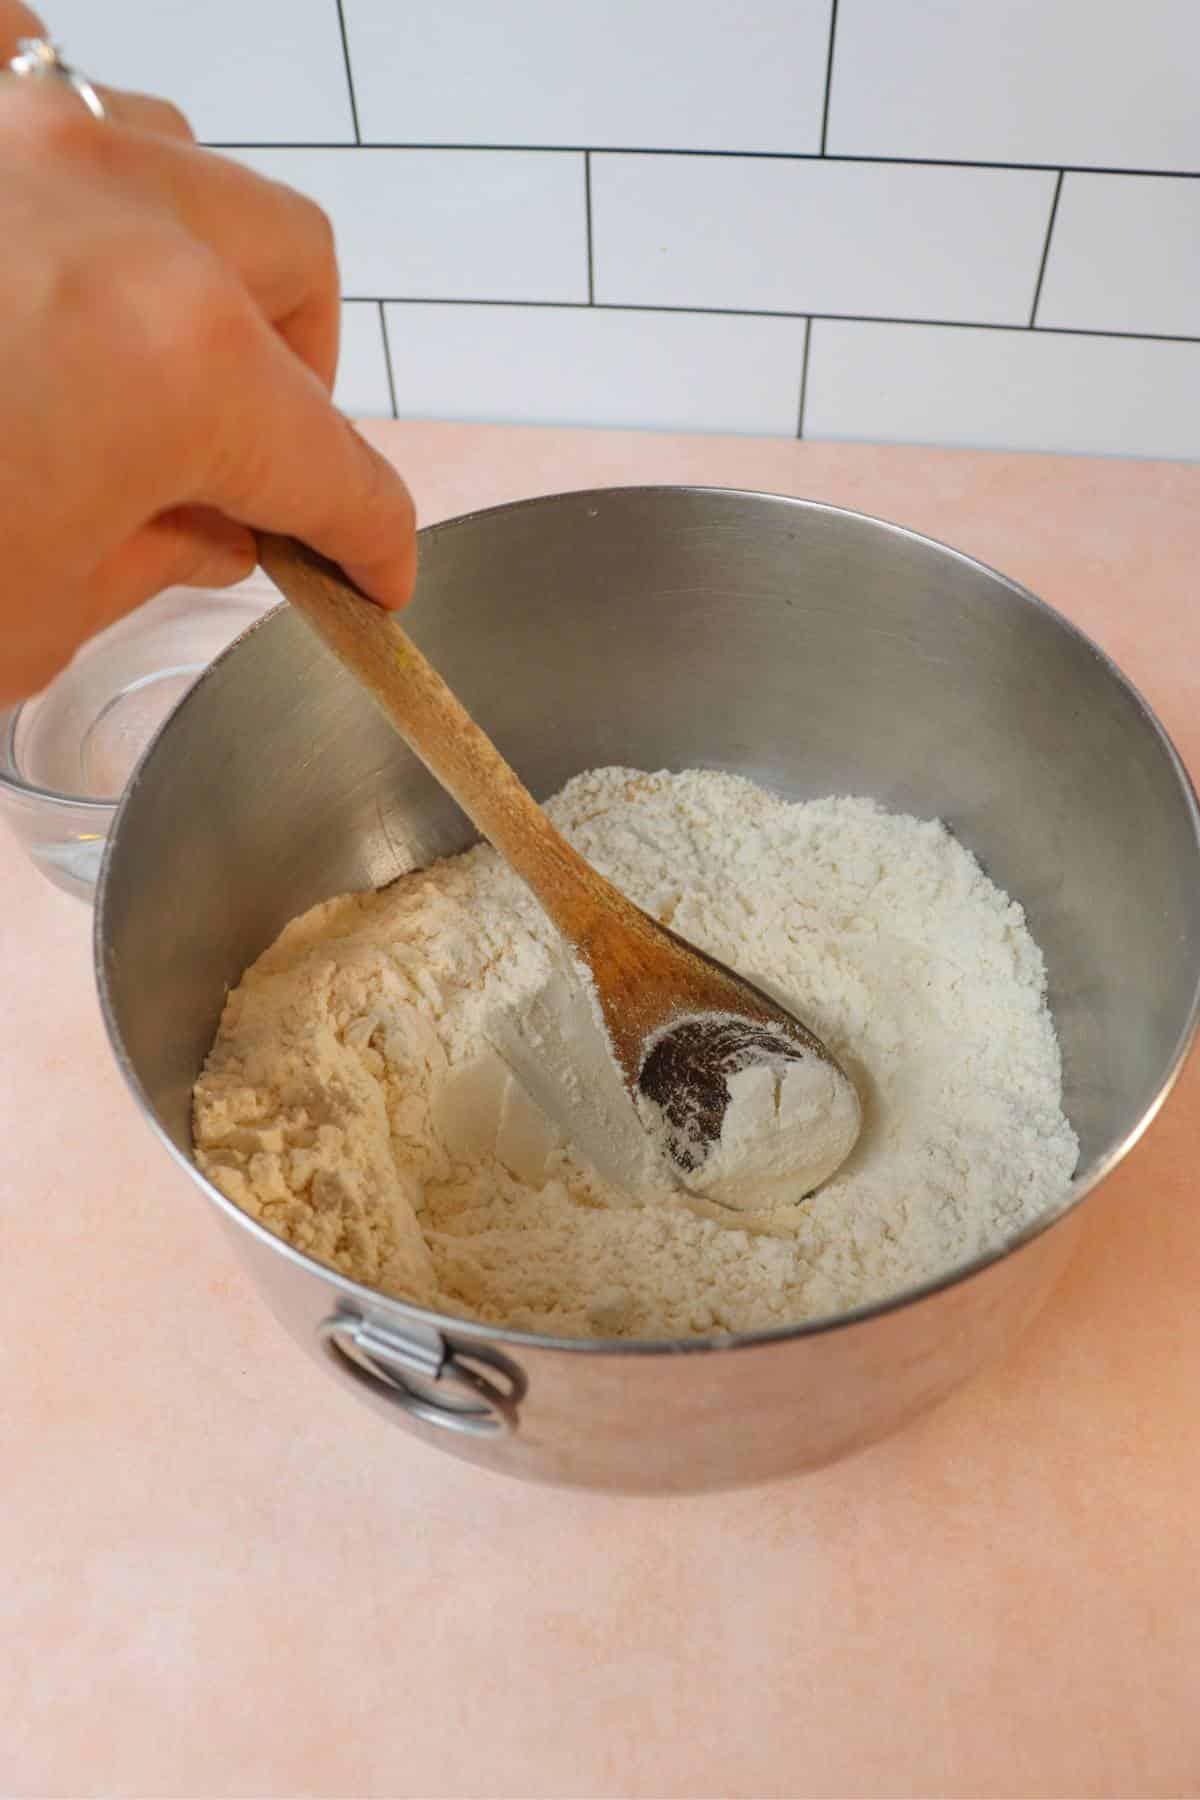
<point x="168" y="342"/>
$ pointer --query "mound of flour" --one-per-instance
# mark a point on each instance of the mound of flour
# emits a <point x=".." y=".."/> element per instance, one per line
<point x="366" y="1097"/>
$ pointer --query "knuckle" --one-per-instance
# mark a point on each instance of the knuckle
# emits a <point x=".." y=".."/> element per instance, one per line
<point x="319" y="227"/>
<point x="178" y="120"/>
<point x="197" y="314"/>
<point x="163" y="116"/>
<point x="218" y="324"/>
<point x="181" y="326"/>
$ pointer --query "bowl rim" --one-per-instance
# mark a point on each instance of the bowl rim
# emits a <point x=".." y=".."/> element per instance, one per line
<point x="462" y="1333"/>
<point x="30" y="790"/>
<point x="10" y="714"/>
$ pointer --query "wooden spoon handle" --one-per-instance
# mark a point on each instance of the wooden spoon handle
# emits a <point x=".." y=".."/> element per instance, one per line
<point x="435" y="724"/>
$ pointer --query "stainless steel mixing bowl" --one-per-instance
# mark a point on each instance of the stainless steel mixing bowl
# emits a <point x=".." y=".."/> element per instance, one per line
<point x="814" y="650"/>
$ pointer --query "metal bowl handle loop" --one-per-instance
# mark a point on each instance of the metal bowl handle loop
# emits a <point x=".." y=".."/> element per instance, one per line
<point x="386" y="1362"/>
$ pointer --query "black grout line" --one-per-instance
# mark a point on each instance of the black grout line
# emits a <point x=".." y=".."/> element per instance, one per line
<point x="587" y="198"/>
<point x="387" y="357"/>
<point x="753" y="312"/>
<point x="349" y="79"/>
<point x="828" y="75"/>
<point x="915" y="162"/>
<point x="808" y="325"/>
<point x="1041" y="274"/>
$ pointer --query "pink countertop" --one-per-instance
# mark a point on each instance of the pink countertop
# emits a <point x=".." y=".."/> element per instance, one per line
<point x="222" y="1576"/>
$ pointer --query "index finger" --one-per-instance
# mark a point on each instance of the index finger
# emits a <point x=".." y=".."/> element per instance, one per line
<point x="280" y="457"/>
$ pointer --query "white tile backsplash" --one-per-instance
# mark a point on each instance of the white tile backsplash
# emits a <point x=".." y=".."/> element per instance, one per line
<point x="271" y="70"/>
<point x="1003" y="390"/>
<point x="1125" y="255"/>
<point x="682" y="188"/>
<point x="819" y="236"/>
<point x="1103" y="83"/>
<point x="362" y="389"/>
<point x="650" y="74"/>
<point x="557" y="365"/>
<point x="447" y="224"/>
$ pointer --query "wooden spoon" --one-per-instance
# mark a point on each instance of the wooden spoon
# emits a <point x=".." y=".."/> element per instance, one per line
<point x="681" y="1025"/>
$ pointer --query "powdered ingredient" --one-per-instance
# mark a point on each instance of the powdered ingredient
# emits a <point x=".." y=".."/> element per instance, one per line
<point x="375" y="1091"/>
<point x="787" y="1117"/>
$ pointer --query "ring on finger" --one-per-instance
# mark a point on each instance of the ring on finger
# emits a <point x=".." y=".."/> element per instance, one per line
<point x="37" y="59"/>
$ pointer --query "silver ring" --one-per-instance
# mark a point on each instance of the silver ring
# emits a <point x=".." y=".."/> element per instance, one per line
<point x="39" y="60"/>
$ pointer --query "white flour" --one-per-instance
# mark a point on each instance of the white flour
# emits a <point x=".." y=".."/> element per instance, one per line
<point x="360" y="1098"/>
<point x="791" y="1118"/>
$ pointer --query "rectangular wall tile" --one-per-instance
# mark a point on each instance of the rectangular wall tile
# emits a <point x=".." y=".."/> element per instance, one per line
<point x="1091" y="82"/>
<point x="447" y="224"/>
<point x="819" y="236"/>
<point x="908" y="218"/>
<point x="1003" y="390"/>
<point x="1125" y="255"/>
<point x="266" y="72"/>
<point x="670" y="74"/>
<point x="362" y="390"/>
<point x="581" y="366"/>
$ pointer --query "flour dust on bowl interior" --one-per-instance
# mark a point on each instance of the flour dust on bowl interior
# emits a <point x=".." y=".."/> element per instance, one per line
<point x="813" y="651"/>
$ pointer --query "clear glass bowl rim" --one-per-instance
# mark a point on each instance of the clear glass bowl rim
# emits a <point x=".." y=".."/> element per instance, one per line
<point x="28" y="790"/>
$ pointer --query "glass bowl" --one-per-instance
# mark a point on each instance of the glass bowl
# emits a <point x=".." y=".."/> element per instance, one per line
<point x="66" y="754"/>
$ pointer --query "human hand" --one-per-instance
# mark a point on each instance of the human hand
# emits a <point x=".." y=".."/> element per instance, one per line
<point x="168" y="342"/>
